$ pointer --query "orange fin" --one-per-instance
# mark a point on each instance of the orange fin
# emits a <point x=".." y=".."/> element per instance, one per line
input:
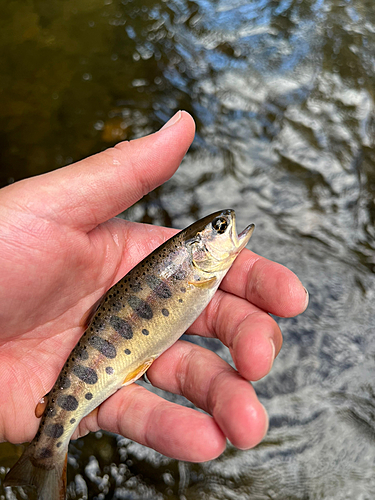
<point x="49" y="479"/>
<point x="138" y="372"/>
<point x="209" y="283"/>
<point x="41" y="406"/>
<point x="87" y="317"/>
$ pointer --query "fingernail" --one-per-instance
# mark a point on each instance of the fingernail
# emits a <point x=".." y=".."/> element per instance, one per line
<point x="273" y="355"/>
<point x="307" y="297"/>
<point x="175" y="118"/>
<point x="273" y="350"/>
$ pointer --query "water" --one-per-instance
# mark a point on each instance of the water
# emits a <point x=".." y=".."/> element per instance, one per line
<point x="283" y="96"/>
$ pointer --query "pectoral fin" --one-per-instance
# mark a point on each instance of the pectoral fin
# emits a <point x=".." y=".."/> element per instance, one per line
<point x="138" y="372"/>
<point x="209" y="283"/>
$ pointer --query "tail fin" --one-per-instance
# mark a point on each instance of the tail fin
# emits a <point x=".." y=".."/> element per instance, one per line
<point x="50" y="483"/>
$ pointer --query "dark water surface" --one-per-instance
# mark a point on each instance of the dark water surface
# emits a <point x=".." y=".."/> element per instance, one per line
<point x="283" y="96"/>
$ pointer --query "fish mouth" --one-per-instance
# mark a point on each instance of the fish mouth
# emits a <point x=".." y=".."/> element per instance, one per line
<point x="244" y="236"/>
<point x="241" y="240"/>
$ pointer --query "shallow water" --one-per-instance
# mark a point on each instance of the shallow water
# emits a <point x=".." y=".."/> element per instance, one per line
<point x="283" y="96"/>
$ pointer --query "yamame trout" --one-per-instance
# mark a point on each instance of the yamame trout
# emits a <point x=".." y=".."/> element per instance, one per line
<point x="136" y="320"/>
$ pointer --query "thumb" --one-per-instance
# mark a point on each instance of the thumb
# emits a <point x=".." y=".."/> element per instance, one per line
<point x="91" y="191"/>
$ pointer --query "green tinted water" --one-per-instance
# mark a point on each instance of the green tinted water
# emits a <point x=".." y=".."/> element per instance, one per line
<point x="283" y="96"/>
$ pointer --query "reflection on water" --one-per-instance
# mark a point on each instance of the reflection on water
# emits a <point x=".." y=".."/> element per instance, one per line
<point x="283" y="95"/>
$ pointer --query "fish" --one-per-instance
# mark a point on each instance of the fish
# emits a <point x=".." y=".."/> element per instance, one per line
<point x="135" y="321"/>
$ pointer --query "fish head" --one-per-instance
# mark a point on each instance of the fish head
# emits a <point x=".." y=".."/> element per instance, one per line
<point x="216" y="244"/>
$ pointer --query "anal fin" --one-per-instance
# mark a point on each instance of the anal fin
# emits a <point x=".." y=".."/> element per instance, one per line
<point x="138" y="372"/>
<point x="208" y="283"/>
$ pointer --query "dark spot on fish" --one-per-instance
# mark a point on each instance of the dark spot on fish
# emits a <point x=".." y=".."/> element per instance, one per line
<point x="127" y="351"/>
<point x="85" y="373"/>
<point x="180" y="274"/>
<point x="122" y="327"/>
<point x="145" y="332"/>
<point x="159" y="287"/>
<point x="54" y="430"/>
<point x="140" y="307"/>
<point x="50" y="412"/>
<point x="183" y="289"/>
<point x="83" y="354"/>
<point x="88" y="396"/>
<point x="103" y="346"/>
<point x="165" y="312"/>
<point x="64" y="382"/>
<point x="99" y="325"/>
<point x="116" y="305"/>
<point x="109" y="370"/>
<point x="180" y="300"/>
<point x="136" y="287"/>
<point x="72" y="420"/>
<point x="44" y="453"/>
<point x="59" y="444"/>
<point x="67" y="402"/>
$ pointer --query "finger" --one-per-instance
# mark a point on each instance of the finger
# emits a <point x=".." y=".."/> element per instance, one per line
<point x="253" y="337"/>
<point x="211" y="384"/>
<point x="174" y="430"/>
<point x="269" y="285"/>
<point x="95" y="189"/>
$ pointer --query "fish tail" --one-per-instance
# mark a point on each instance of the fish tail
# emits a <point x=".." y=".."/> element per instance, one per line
<point x="49" y="478"/>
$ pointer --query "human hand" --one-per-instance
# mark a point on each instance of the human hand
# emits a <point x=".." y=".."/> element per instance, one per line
<point x="61" y="249"/>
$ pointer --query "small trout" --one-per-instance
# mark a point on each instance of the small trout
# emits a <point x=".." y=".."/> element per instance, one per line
<point x="137" y="320"/>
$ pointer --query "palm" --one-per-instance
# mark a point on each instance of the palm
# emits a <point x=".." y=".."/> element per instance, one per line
<point x="43" y="320"/>
<point x="60" y="251"/>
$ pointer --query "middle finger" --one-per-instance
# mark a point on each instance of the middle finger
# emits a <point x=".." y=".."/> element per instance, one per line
<point x="253" y="337"/>
<point x="214" y="386"/>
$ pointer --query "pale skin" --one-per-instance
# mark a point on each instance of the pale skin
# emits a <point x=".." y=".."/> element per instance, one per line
<point x="61" y="249"/>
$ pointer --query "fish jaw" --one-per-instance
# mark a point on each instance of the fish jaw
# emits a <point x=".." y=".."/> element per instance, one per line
<point x="244" y="237"/>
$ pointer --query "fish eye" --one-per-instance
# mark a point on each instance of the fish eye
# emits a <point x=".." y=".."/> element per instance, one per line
<point x="220" y="225"/>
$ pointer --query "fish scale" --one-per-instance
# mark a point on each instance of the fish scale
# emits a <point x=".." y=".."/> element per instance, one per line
<point x="136" y="320"/>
